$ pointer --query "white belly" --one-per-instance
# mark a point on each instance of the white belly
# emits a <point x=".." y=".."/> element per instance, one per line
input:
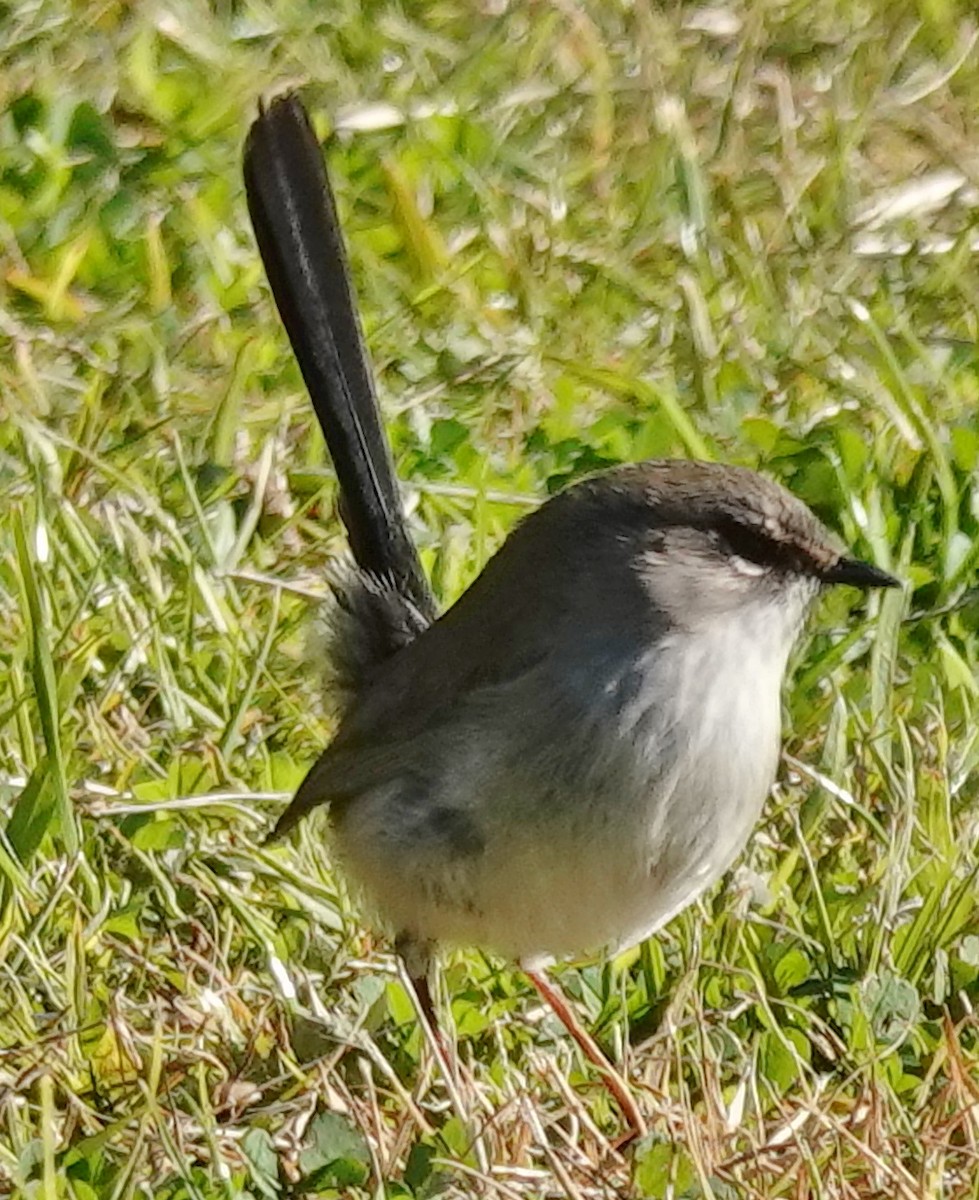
<point x="595" y="842"/>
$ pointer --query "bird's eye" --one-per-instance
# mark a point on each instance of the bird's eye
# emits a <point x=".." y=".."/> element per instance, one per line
<point x="751" y="552"/>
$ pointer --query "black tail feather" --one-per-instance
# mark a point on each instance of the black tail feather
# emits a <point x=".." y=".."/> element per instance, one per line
<point x="294" y="216"/>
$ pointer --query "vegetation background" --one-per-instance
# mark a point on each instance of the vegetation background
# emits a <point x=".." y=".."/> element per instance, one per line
<point x="581" y="233"/>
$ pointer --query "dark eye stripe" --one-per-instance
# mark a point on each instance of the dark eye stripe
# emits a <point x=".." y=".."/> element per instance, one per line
<point x="757" y="547"/>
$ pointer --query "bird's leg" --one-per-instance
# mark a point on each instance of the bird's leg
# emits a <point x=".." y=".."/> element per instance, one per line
<point x="552" y="995"/>
<point x="426" y="1005"/>
<point x="422" y="987"/>
<point x="416" y="958"/>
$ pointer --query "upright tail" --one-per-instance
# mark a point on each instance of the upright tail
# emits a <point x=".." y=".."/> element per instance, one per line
<point x="294" y="216"/>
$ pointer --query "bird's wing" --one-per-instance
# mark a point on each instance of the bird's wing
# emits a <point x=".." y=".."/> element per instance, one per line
<point x="495" y="634"/>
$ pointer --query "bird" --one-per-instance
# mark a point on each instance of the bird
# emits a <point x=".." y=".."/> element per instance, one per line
<point x="582" y="744"/>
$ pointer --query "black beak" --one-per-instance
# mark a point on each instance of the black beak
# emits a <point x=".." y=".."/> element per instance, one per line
<point x="859" y="574"/>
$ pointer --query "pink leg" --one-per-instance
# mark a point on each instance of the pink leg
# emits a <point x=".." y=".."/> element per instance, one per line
<point x="553" y="996"/>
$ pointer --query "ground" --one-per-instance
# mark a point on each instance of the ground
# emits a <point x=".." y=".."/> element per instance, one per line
<point x="581" y="233"/>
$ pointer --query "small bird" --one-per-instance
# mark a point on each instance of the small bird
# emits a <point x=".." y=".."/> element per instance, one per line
<point x="582" y="743"/>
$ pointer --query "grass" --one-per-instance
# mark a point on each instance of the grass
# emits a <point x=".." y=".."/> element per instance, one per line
<point x="581" y="234"/>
